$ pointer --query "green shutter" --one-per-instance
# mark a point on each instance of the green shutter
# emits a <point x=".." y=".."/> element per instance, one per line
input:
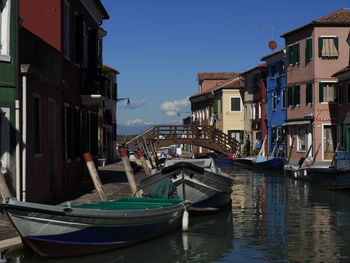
<point x="336" y="43"/>
<point x="321" y="93"/>
<point x="290" y="55"/>
<point x="308" y="93"/>
<point x="297" y="47"/>
<point x="235" y="104"/>
<point x="320" y="45"/>
<point x="296" y="95"/>
<point x="308" y="49"/>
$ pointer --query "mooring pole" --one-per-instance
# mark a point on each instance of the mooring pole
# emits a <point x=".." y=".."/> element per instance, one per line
<point x="94" y="176"/>
<point x="129" y="172"/>
<point x="4" y="190"/>
<point x="141" y="155"/>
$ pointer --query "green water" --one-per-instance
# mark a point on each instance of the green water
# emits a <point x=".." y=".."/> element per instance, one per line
<point x="272" y="219"/>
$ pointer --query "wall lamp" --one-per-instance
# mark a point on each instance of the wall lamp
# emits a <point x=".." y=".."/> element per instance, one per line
<point x="120" y="99"/>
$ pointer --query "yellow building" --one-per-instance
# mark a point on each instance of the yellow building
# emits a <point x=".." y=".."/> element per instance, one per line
<point x="228" y="108"/>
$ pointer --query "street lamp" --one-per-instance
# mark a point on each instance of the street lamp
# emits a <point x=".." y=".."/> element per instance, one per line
<point x="120" y="99"/>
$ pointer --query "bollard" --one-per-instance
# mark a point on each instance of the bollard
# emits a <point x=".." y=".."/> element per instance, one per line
<point x="141" y="155"/>
<point x="94" y="176"/>
<point x="4" y="190"/>
<point x="129" y="172"/>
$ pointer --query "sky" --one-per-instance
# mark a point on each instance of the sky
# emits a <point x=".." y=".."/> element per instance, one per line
<point x="159" y="46"/>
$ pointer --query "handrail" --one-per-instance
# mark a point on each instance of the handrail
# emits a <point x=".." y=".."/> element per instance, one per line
<point x="187" y="134"/>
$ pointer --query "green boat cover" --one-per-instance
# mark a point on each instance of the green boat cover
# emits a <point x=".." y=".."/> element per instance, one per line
<point x="164" y="188"/>
<point x="132" y="203"/>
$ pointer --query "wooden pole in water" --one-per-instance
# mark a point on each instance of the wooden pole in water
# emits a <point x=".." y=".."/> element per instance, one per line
<point x="4" y="190"/>
<point x="129" y="172"/>
<point x="290" y="149"/>
<point x="141" y="155"/>
<point x="94" y="176"/>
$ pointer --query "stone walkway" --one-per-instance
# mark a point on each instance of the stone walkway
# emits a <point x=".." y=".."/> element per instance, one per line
<point x="115" y="186"/>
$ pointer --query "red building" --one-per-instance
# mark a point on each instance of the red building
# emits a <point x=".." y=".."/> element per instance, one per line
<point x="60" y="61"/>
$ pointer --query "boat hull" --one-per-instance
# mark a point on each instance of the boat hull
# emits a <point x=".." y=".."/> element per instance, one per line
<point x="330" y="178"/>
<point x="272" y="164"/>
<point x="76" y="231"/>
<point x="208" y="191"/>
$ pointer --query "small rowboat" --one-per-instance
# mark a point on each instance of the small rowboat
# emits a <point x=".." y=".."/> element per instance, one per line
<point x="60" y="231"/>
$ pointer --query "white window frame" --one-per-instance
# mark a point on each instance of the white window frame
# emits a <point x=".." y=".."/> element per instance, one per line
<point x="240" y="103"/>
<point x="253" y="111"/>
<point x="283" y="99"/>
<point x="298" y="139"/>
<point x="259" y="110"/>
<point x="5" y="33"/>
<point x="274" y="101"/>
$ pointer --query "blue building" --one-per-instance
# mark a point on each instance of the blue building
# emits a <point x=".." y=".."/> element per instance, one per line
<point x="276" y="101"/>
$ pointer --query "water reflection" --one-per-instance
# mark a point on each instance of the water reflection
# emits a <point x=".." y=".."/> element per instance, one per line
<point x="273" y="219"/>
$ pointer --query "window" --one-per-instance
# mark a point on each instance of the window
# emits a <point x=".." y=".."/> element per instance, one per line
<point x="259" y="110"/>
<point x="294" y="54"/>
<point x="37" y="123"/>
<point x="328" y="47"/>
<point x="5" y="30"/>
<point x="301" y="138"/>
<point x="235" y="104"/>
<point x="66" y="27"/>
<point x="85" y="45"/>
<point x="274" y="101"/>
<point x="272" y="71"/>
<point x="340" y="95"/>
<point x="77" y="133"/>
<point x="283" y="98"/>
<point x="67" y="133"/>
<point x="328" y="92"/>
<point x="282" y="68"/>
<point x="294" y="96"/>
<point x="253" y="111"/>
<point x="79" y="46"/>
<point x="308" y="93"/>
<point x="308" y="49"/>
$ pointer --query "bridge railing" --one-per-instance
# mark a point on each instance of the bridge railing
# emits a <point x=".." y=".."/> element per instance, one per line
<point x="181" y="132"/>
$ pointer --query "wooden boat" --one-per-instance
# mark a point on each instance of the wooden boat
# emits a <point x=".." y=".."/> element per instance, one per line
<point x="276" y="163"/>
<point x="224" y="161"/>
<point x="331" y="177"/>
<point x="196" y="180"/>
<point x="59" y="231"/>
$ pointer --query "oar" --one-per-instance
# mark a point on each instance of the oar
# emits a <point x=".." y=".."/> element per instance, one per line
<point x="313" y="161"/>
<point x="290" y="150"/>
<point x="262" y="147"/>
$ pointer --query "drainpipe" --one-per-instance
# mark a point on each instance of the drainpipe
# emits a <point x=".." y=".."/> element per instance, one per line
<point x="18" y="151"/>
<point x="24" y="136"/>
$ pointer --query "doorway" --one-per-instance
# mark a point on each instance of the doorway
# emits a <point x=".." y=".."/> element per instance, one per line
<point x="329" y="141"/>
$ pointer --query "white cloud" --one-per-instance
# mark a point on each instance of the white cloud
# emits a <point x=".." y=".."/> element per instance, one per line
<point x="134" y="104"/>
<point x="137" y="122"/>
<point x="172" y="108"/>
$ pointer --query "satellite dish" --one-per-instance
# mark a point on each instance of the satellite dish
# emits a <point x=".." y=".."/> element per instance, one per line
<point x="272" y="44"/>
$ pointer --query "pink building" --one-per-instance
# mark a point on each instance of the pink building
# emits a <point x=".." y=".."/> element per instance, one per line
<point x="315" y="52"/>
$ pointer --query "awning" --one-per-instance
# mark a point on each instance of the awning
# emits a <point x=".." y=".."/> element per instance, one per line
<point x="297" y="122"/>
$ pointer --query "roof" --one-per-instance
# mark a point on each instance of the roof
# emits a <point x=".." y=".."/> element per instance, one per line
<point x="108" y="68"/>
<point x="102" y="8"/>
<point x="235" y="83"/>
<point x="273" y="54"/>
<point x="216" y="75"/>
<point x="340" y="17"/>
<point x="344" y="70"/>
<point x="263" y="65"/>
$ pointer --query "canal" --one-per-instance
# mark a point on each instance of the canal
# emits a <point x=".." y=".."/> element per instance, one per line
<point x="272" y="219"/>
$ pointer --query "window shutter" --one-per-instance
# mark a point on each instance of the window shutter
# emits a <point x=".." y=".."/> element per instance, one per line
<point x="296" y="95"/>
<point x="290" y="55"/>
<point x="308" y="93"/>
<point x="336" y="43"/>
<point x="310" y="48"/>
<point x="321" y="93"/>
<point x="320" y="45"/>
<point x="297" y="53"/>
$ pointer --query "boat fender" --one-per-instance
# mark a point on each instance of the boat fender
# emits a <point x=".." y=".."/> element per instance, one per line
<point x="68" y="208"/>
<point x="185" y="220"/>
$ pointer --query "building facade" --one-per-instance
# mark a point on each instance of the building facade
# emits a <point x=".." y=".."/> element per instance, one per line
<point x="8" y="94"/>
<point x="314" y="53"/>
<point x="62" y="86"/>
<point x="276" y="101"/>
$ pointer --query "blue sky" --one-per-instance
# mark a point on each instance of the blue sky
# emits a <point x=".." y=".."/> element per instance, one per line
<point x="159" y="46"/>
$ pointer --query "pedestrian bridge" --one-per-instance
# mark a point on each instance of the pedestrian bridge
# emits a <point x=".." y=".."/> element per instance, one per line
<point x="199" y="135"/>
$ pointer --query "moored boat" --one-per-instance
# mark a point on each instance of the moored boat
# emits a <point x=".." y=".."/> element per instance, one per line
<point x="197" y="180"/>
<point x="60" y="231"/>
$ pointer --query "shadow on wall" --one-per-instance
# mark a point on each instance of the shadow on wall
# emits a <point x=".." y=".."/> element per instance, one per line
<point x="8" y="135"/>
